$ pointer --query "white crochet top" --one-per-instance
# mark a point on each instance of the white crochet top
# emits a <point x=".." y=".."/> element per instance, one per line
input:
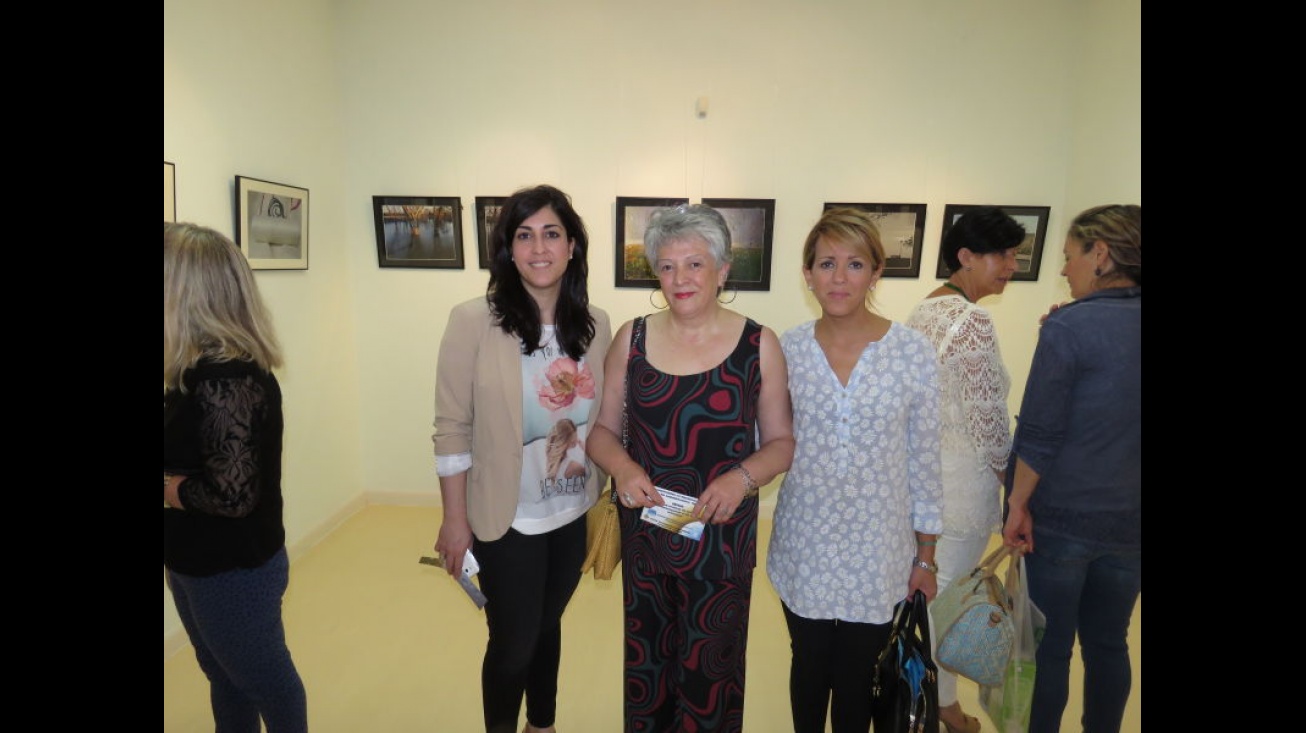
<point x="975" y="430"/>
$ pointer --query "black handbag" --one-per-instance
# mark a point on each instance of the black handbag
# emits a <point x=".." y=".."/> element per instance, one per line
<point x="906" y="685"/>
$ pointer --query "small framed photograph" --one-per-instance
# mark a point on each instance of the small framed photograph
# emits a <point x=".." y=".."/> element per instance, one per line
<point x="272" y="224"/>
<point x="419" y="231"/>
<point x="487" y="215"/>
<point x="632" y="219"/>
<point x="752" y="223"/>
<point x="1030" y="252"/>
<point x="902" y="232"/>
<point x="169" y="191"/>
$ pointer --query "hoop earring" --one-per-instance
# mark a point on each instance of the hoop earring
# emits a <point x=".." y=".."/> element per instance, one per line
<point x="653" y="292"/>
<point x="733" y="294"/>
<point x="1097" y="271"/>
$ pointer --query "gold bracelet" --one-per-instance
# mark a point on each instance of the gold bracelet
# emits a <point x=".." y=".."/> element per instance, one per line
<point x="750" y="485"/>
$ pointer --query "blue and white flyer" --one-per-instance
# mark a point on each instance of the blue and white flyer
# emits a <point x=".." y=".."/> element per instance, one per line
<point x="676" y="515"/>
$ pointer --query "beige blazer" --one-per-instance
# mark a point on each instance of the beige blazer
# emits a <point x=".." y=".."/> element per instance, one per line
<point x="478" y="410"/>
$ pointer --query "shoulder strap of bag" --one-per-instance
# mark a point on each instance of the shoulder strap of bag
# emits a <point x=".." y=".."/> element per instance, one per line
<point x="921" y="621"/>
<point x="991" y="561"/>
<point x="1000" y="592"/>
<point x="636" y="329"/>
<point x="986" y="574"/>
<point x="1013" y="571"/>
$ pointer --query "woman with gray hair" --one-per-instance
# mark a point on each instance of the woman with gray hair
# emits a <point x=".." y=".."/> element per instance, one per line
<point x="706" y="406"/>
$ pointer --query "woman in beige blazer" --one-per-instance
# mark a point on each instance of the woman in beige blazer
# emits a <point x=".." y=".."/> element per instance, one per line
<point x="512" y="365"/>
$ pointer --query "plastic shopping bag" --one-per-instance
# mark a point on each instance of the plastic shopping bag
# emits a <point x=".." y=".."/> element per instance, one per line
<point x="1008" y="703"/>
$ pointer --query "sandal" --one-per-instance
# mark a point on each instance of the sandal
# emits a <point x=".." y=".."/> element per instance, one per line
<point x="972" y="725"/>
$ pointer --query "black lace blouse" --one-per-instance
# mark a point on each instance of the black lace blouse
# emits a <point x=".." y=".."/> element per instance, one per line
<point x="225" y="435"/>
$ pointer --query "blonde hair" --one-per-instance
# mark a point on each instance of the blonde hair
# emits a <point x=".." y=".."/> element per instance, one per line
<point x="850" y="226"/>
<point x="211" y="304"/>
<point x="1120" y="227"/>
<point x="560" y="438"/>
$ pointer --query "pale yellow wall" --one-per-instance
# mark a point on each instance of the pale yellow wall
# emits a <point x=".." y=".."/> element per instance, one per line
<point x="251" y="88"/>
<point x="1019" y="102"/>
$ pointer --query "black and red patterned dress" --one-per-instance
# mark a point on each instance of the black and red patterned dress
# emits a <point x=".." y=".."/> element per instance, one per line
<point x="687" y="601"/>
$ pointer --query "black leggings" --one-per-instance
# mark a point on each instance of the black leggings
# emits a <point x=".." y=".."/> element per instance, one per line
<point x="527" y="581"/>
<point x="833" y="668"/>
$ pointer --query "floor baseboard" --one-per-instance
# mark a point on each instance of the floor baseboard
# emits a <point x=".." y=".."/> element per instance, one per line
<point x="176" y="640"/>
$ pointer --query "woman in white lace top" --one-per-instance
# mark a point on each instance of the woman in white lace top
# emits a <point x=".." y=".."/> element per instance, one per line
<point x="980" y="250"/>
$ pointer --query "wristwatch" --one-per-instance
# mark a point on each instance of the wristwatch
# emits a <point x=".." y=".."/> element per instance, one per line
<point x="932" y="567"/>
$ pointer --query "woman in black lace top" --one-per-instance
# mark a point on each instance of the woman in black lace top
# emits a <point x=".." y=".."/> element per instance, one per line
<point x="223" y="539"/>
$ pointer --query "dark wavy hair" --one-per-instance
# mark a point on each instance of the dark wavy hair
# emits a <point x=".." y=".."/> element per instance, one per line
<point x="513" y="308"/>
<point x="981" y="230"/>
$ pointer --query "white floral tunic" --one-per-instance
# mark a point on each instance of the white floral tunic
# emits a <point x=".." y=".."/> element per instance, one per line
<point x="864" y="479"/>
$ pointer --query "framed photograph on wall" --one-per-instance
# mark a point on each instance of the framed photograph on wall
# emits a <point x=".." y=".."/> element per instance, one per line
<point x="632" y="219"/>
<point x="169" y="191"/>
<point x="902" y="232"/>
<point x="752" y="224"/>
<point x="1030" y="252"/>
<point x="272" y="224"/>
<point x="419" y="231"/>
<point x="487" y="215"/>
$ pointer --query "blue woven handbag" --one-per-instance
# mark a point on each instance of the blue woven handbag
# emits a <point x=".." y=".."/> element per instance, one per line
<point x="973" y="616"/>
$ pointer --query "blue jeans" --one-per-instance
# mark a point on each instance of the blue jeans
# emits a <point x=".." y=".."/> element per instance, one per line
<point x="233" y="620"/>
<point x="1087" y="590"/>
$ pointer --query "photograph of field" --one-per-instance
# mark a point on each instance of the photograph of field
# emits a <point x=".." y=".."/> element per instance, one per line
<point x="633" y="270"/>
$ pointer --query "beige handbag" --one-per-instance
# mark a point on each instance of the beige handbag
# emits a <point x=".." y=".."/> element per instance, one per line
<point x="974" y="622"/>
<point x="602" y="529"/>
<point x="603" y="537"/>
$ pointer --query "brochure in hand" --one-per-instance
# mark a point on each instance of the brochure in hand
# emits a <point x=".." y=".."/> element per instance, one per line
<point x="677" y="515"/>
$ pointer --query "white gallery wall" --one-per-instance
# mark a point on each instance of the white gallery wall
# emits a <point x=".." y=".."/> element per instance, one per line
<point x="1014" y="102"/>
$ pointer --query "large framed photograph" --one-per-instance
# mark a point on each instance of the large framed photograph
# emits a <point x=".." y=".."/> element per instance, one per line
<point x="487" y="215"/>
<point x="169" y="191"/>
<point x="419" y="231"/>
<point x="1030" y="252"/>
<point x="752" y="224"/>
<point x="632" y="216"/>
<point x="272" y="224"/>
<point x="902" y="232"/>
